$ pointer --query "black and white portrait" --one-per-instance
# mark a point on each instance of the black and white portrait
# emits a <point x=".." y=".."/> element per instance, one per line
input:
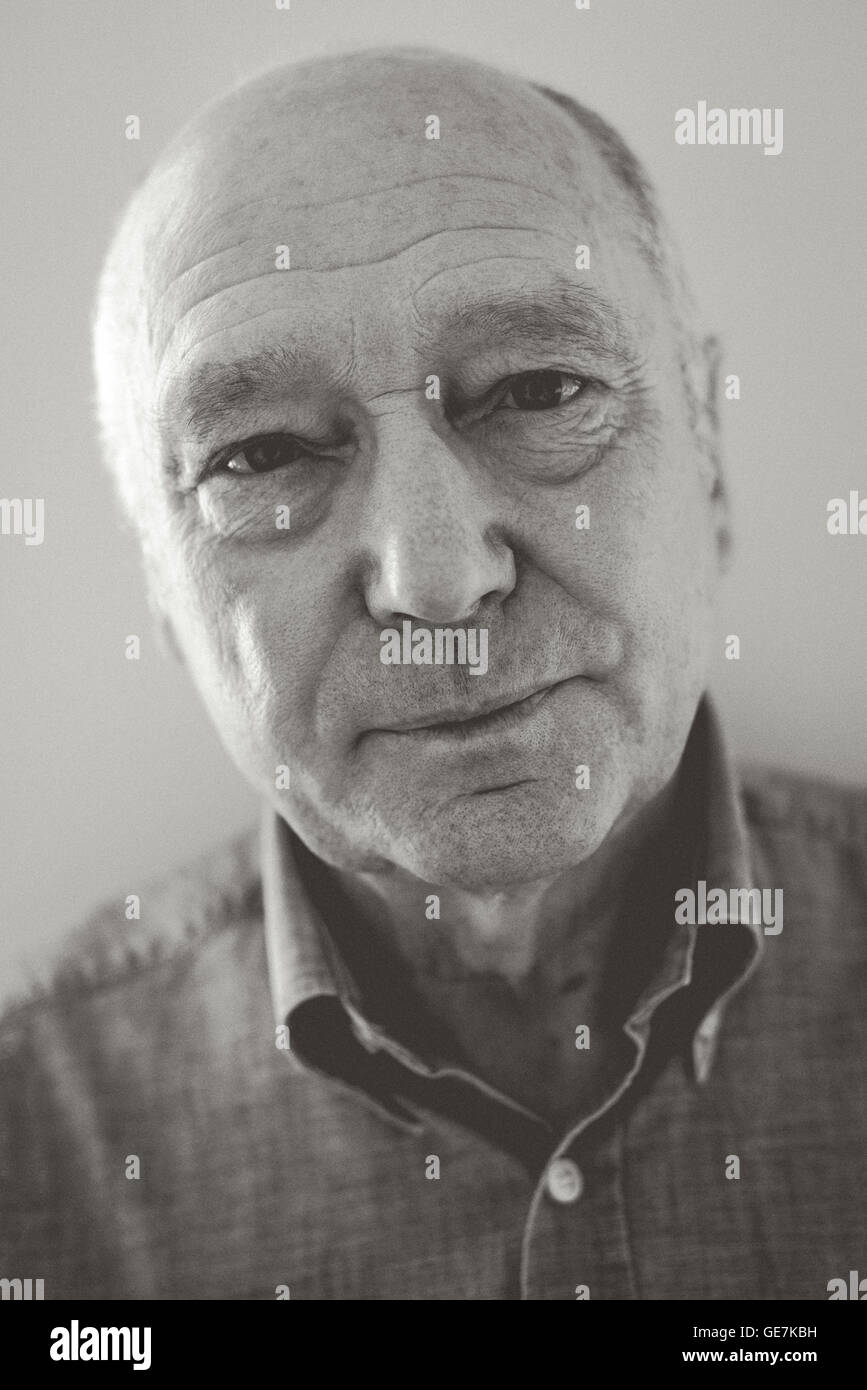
<point x="434" y="524"/>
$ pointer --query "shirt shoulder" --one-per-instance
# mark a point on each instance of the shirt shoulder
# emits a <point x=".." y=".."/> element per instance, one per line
<point x="808" y="837"/>
<point x="177" y="913"/>
<point x="807" y="807"/>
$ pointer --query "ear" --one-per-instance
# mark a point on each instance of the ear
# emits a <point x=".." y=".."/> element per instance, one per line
<point x="707" y="427"/>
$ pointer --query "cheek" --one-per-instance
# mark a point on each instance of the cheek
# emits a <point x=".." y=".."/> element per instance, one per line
<point x="643" y="557"/>
<point x="234" y="637"/>
<point x="667" y="588"/>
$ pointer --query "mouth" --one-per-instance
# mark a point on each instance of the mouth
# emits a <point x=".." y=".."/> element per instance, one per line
<point x="499" y="712"/>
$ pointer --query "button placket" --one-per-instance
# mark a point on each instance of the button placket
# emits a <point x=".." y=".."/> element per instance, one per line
<point x="576" y="1236"/>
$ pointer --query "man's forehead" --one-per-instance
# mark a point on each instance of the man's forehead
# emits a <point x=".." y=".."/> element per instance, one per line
<point x="341" y="170"/>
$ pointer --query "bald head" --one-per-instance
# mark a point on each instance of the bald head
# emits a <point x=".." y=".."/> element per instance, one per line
<point x="316" y="155"/>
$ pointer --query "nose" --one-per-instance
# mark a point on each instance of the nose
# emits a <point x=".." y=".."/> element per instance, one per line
<point x="430" y="531"/>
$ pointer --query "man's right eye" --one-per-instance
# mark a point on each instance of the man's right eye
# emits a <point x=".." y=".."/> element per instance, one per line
<point x="264" y="454"/>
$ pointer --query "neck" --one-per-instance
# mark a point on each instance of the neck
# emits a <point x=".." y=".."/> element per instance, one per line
<point x="523" y="935"/>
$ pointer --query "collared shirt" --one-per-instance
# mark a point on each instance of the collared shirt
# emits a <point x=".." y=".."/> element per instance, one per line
<point x="207" y="1103"/>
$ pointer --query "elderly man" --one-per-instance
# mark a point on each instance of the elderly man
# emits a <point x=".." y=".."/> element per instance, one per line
<point x="404" y="393"/>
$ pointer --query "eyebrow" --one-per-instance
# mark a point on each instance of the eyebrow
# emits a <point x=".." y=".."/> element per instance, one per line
<point x="562" y="311"/>
<point x="215" y="391"/>
<point x="199" y="402"/>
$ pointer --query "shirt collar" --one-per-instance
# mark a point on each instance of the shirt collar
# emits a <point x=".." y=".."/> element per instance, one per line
<point x="715" y="959"/>
<point x="304" y="964"/>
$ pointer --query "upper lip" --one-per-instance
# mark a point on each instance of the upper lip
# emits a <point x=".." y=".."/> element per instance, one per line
<point x="461" y="714"/>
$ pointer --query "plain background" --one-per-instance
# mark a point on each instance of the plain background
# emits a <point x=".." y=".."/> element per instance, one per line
<point x="110" y="772"/>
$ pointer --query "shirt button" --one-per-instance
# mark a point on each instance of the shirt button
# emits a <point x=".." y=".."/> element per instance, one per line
<point x="564" y="1181"/>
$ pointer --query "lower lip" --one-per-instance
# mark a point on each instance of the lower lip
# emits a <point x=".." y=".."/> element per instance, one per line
<point x="499" y="721"/>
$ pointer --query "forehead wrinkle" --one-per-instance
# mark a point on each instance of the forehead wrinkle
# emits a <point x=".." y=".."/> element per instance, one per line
<point x="217" y="332"/>
<point x="213" y="293"/>
<point x="192" y="225"/>
<point x="313" y="271"/>
<point x="375" y="192"/>
<point x="179" y="275"/>
<point x="341" y="264"/>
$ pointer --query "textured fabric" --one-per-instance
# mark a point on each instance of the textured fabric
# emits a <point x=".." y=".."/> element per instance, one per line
<point x="265" y="1171"/>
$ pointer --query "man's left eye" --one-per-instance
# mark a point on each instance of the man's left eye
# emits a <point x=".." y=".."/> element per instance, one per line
<point x="264" y="454"/>
<point x="543" y="390"/>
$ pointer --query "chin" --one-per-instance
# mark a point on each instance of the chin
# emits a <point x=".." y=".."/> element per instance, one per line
<point x="488" y="840"/>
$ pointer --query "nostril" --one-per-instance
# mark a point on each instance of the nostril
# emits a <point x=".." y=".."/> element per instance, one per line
<point x="433" y="615"/>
